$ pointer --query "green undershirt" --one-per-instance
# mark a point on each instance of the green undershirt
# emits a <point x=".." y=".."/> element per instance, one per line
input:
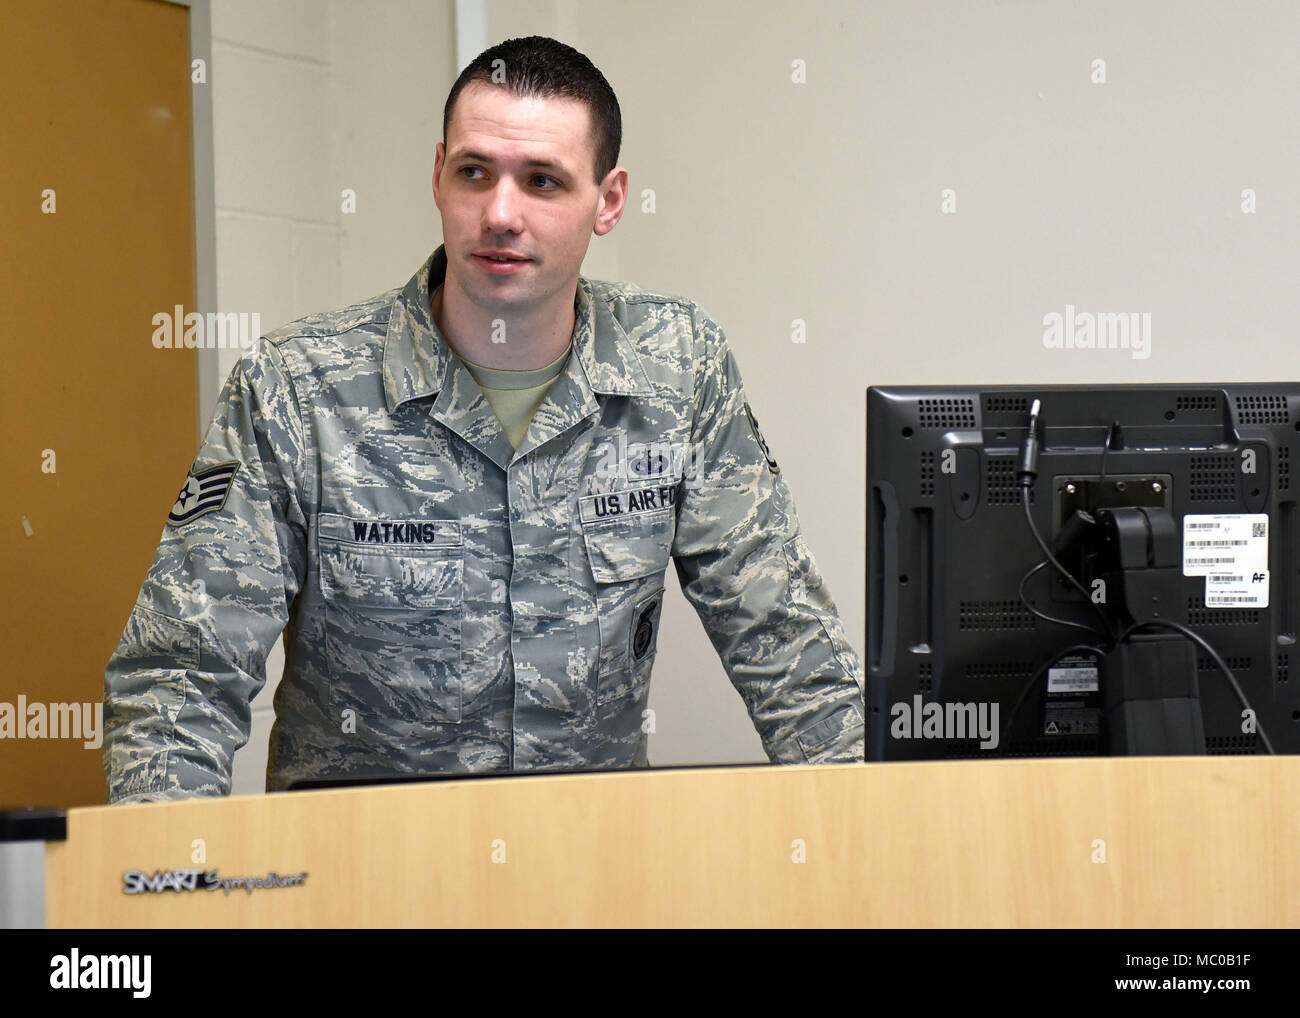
<point x="515" y="395"/>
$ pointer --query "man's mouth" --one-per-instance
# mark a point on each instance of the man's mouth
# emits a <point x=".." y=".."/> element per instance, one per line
<point x="494" y="263"/>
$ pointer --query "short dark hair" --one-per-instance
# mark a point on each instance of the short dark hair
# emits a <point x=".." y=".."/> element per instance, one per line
<point x="540" y="67"/>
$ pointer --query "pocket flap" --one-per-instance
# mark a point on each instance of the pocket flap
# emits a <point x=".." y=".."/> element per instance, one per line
<point x="429" y="579"/>
<point x="818" y="736"/>
<point x="628" y="547"/>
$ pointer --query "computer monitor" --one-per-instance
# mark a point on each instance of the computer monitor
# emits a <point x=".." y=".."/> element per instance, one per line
<point x="1118" y="578"/>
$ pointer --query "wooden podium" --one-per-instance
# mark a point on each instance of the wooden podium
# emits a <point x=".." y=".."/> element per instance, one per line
<point x="1123" y="842"/>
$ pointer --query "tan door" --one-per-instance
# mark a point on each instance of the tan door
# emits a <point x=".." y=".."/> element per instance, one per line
<point x="96" y="202"/>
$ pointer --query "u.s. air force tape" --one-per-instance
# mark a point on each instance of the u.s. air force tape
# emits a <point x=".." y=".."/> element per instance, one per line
<point x="762" y="442"/>
<point x="618" y="504"/>
<point x="204" y="491"/>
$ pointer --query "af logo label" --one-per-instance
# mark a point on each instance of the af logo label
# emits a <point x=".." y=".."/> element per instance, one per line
<point x="204" y="491"/>
<point x="762" y="442"/>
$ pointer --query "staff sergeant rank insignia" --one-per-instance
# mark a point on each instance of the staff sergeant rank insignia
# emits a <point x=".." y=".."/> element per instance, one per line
<point x="762" y="442"/>
<point x="204" y="491"/>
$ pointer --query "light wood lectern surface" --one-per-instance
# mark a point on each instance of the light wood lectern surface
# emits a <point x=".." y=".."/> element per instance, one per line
<point x="1125" y="842"/>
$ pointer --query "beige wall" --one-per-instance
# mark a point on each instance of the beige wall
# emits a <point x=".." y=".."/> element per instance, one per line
<point x="819" y="202"/>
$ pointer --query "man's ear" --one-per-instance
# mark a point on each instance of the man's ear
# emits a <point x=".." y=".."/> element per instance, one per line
<point x="613" y="201"/>
<point x="439" y="151"/>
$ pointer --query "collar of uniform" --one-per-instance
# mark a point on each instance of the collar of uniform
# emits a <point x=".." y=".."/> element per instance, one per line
<point x="417" y="358"/>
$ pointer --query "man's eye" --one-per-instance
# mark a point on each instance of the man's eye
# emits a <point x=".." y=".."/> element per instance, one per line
<point x="464" y="168"/>
<point x="540" y="176"/>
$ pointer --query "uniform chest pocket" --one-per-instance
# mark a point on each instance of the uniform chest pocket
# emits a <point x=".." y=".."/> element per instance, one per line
<point x="393" y="634"/>
<point x="425" y="580"/>
<point x="627" y="557"/>
<point x="628" y="547"/>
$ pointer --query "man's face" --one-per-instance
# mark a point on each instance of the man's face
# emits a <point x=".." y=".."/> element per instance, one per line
<point x="518" y="178"/>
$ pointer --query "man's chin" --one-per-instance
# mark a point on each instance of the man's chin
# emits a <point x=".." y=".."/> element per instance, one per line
<point x="498" y="300"/>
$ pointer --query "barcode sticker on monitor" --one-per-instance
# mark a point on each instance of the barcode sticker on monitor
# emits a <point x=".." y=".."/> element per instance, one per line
<point x="1237" y="591"/>
<point x="1072" y="679"/>
<point x="1227" y="543"/>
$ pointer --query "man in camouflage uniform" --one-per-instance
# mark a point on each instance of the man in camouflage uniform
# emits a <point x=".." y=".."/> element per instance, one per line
<point x="453" y="601"/>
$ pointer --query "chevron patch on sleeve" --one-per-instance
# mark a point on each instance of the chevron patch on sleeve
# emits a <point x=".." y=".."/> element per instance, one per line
<point x="204" y="491"/>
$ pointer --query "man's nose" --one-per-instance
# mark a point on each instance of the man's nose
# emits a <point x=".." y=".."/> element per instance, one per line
<point x="502" y="213"/>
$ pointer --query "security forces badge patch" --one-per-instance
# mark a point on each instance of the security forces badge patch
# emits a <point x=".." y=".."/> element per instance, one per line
<point x="204" y="491"/>
<point x="643" y="625"/>
<point x="762" y="442"/>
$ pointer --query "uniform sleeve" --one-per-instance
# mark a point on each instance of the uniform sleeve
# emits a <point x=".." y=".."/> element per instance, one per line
<point x="178" y="688"/>
<point x="748" y="572"/>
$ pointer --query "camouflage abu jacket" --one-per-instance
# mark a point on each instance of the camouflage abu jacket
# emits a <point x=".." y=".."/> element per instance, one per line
<point x="450" y="603"/>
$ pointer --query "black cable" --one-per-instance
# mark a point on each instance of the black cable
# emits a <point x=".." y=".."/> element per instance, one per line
<point x="1026" y="475"/>
<point x="1076" y="648"/>
<point x="1101" y="479"/>
<point x="1049" y="618"/>
<point x="1047" y="554"/>
<point x="1222" y="665"/>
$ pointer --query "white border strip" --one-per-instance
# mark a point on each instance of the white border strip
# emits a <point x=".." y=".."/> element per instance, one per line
<point x="471" y="31"/>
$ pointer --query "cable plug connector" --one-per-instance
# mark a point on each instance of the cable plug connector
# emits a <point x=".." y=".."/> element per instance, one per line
<point x="1028" y="471"/>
